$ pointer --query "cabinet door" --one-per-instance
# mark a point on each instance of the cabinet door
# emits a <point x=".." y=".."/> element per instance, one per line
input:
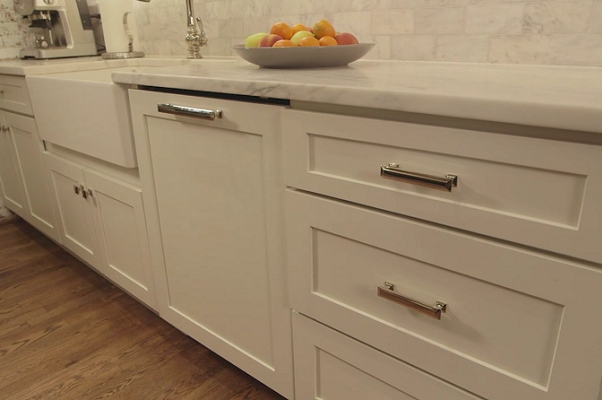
<point x="122" y="236"/>
<point x="77" y="226"/>
<point x="11" y="182"/>
<point x="218" y="190"/>
<point x="29" y="150"/>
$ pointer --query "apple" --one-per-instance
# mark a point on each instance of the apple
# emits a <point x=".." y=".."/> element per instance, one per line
<point x="269" y="40"/>
<point x="300" y="35"/>
<point x="345" y="38"/>
<point x="253" y="40"/>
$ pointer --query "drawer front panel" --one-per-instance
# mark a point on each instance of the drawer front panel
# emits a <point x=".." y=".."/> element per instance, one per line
<point x="480" y="312"/>
<point x="507" y="320"/>
<point x="332" y="366"/>
<point x="14" y="95"/>
<point x="536" y="192"/>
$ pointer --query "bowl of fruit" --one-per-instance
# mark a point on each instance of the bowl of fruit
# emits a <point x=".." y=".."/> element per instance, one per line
<point x="299" y="46"/>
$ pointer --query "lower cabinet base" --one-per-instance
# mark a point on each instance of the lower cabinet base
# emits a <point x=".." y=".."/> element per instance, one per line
<point x="332" y="366"/>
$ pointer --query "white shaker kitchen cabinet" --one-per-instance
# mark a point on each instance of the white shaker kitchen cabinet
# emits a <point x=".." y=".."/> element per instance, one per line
<point x="77" y="225"/>
<point x="26" y="189"/>
<point x="218" y="220"/>
<point x="120" y="225"/>
<point x="402" y="267"/>
<point x="514" y="324"/>
<point x="103" y="223"/>
<point x="11" y="183"/>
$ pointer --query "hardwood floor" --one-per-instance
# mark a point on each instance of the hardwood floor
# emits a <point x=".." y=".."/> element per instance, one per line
<point x="67" y="333"/>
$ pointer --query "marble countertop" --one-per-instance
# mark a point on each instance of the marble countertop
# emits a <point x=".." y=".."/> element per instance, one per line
<point x="64" y="65"/>
<point x="547" y="96"/>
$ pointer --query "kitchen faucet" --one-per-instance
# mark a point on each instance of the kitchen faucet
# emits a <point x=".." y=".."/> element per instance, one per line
<point x="194" y="38"/>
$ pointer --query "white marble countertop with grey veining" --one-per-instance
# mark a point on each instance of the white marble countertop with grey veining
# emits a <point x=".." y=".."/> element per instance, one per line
<point x="64" y="65"/>
<point x="547" y="96"/>
<point x="562" y="97"/>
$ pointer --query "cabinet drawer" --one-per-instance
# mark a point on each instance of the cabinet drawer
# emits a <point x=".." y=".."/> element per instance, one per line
<point x="14" y="95"/>
<point x="541" y="193"/>
<point x="516" y="321"/>
<point x="332" y="366"/>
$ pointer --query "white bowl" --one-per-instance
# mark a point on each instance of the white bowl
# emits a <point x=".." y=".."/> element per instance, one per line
<point x="304" y="57"/>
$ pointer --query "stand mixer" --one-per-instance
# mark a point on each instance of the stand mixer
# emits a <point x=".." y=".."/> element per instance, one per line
<point x="64" y="28"/>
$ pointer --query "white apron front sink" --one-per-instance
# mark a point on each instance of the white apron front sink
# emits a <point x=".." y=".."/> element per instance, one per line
<point x="86" y="112"/>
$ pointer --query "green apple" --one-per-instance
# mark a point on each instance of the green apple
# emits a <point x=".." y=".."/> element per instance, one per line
<point x="300" y="35"/>
<point x="253" y="40"/>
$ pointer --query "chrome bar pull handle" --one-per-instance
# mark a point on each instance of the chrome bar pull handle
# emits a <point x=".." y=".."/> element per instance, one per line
<point x="392" y="171"/>
<point x="201" y="113"/>
<point x="387" y="292"/>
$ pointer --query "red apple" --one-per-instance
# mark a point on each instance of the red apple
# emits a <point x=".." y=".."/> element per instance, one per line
<point x="269" y="40"/>
<point x="345" y="38"/>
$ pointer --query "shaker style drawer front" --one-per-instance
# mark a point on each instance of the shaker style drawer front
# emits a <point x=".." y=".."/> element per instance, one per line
<point x="14" y="95"/>
<point x="332" y="366"/>
<point x="540" y="193"/>
<point x="513" y="321"/>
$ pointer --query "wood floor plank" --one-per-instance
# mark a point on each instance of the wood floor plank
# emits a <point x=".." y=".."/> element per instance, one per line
<point x="68" y="333"/>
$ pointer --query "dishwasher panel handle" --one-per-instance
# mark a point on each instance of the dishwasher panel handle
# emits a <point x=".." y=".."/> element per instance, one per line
<point x="201" y="113"/>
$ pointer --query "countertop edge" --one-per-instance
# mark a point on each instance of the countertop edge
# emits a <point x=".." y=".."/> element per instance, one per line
<point x="560" y="97"/>
<point x="540" y="114"/>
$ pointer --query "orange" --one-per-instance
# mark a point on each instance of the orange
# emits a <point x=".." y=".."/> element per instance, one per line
<point x="308" y="42"/>
<point x="282" y="29"/>
<point x="327" y="41"/>
<point x="299" y="27"/>
<point x="284" y="43"/>
<point x="323" y="28"/>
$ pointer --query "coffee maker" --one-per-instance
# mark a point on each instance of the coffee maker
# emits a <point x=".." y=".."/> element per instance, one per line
<point x="63" y="28"/>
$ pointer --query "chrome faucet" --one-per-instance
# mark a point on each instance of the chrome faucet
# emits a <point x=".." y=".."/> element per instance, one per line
<point x="194" y="38"/>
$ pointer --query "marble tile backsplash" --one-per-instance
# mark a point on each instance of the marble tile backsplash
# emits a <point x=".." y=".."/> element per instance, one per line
<point x="563" y="32"/>
<point x="567" y="32"/>
<point x="12" y="32"/>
